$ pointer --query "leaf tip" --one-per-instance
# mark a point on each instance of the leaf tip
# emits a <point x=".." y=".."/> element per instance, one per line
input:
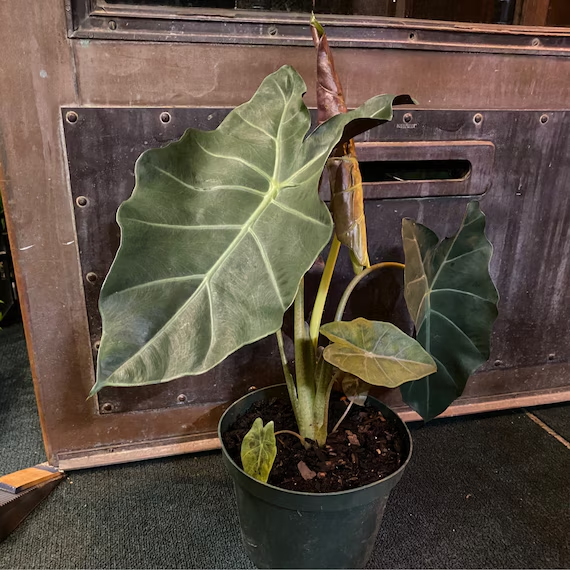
<point x="316" y="24"/>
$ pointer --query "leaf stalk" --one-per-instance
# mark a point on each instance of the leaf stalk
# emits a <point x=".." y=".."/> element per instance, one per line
<point x="356" y="280"/>
<point x="324" y="285"/>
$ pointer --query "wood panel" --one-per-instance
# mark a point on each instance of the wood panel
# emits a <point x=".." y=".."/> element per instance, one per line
<point x="44" y="70"/>
<point x="114" y="73"/>
<point x="558" y="13"/>
<point x="482" y="11"/>
<point x="534" y="13"/>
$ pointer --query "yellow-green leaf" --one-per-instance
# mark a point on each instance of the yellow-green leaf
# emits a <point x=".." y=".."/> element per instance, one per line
<point x="378" y="353"/>
<point x="258" y="450"/>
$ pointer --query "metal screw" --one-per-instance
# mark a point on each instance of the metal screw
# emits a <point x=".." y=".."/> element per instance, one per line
<point x="498" y="362"/>
<point x="182" y="398"/>
<point x="272" y="30"/>
<point x="82" y="201"/>
<point x="544" y="119"/>
<point x="252" y="389"/>
<point x="91" y="277"/>
<point x="112" y="25"/>
<point x="478" y="119"/>
<point x="71" y="117"/>
<point x="551" y="356"/>
<point x="535" y="42"/>
<point x="107" y="407"/>
<point x="408" y="118"/>
<point x="97" y="344"/>
<point x="165" y="117"/>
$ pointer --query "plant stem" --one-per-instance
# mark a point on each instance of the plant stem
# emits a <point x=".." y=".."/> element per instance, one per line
<point x="356" y="280"/>
<point x="287" y="373"/>
<point x="321" y="298"/>
<point x="342" y="417"/>
<point x="302" y="439"/>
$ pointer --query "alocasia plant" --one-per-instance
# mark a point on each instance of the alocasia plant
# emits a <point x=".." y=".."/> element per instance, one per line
<point x="223" y="225"/>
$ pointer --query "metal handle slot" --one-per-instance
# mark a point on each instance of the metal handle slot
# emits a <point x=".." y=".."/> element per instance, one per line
<point x="425" y="169"/>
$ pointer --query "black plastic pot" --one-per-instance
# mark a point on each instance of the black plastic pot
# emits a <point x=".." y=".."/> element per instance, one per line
<point x="288" y="529"/>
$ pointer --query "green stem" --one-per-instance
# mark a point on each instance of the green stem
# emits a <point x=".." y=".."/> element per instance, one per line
<point x="356" y="280"/>
<point x="287" y="373"/>
<point x="302" y="439"/>
<point x="304" y="367"/>
<point x="321" y="298"/>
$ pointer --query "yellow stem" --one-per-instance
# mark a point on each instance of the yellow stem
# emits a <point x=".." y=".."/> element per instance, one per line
<point x="356" y="280"/>
<point x="319" y="306"/>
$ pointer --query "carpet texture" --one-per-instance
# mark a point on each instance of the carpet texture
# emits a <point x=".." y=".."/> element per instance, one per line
<point x="481" y="492"/>
<point x="556" y="417"/>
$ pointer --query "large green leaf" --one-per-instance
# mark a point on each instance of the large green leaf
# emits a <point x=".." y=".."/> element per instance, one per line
<point x="453" y="303"/>
<point x="378" y="353"/>
<point x="219" y="230"/>
<point x="258" y="450"/>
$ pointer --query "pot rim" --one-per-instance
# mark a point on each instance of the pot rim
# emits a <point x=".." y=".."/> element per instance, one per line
<point x="395" y="474"/>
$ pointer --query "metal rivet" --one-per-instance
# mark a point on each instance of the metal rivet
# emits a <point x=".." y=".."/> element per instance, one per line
<point x="544" y="119"/>
<point x="478" y="119"/>
<point x="71" y="117"/>
<point x="165" y="117"/>
<point x="107" y="407"/>
<point x="112" y="25"/>
<point x="272" y="31"/>
<point x="252" y="389"/>
<point x="498" y="363"/>
<point x="182" y="398"/>
<point x="408" y="118"/>
<point x="535" y="42"/>
<point x="551" y="356"/>
<point x="82" y="201"/>
<point x="412" y="36"/>
<point x="97" y="344"/>
<point x="91" y="277"/>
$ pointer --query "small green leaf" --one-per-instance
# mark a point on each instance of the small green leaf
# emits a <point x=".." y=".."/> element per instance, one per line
<point x="355" y="389"/>
<point x="378" y="353"/>
<point x="258" y="450"/>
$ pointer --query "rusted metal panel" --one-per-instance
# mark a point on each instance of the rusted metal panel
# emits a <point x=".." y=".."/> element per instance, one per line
<point x="44" y="70"/>
<point x="518" y="192"/>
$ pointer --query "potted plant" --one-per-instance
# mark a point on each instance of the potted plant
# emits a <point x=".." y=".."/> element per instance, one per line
<point x="216" y="238"/>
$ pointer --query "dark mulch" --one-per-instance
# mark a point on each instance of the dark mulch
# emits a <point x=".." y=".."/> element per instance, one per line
<point x="366" y="447"/>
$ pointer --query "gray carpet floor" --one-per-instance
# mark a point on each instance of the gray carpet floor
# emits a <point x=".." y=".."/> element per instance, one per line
<point x="489" y="491"/>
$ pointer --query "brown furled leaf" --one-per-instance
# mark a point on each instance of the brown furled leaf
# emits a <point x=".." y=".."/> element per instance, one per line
<point x="345" y="180"/>
<point x="305" y="471"/>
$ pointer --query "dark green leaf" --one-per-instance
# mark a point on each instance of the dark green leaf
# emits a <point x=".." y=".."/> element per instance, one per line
<point x="258" y="450"/>
<point x="378" y="353"/>
<point x="453" y="303"/>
